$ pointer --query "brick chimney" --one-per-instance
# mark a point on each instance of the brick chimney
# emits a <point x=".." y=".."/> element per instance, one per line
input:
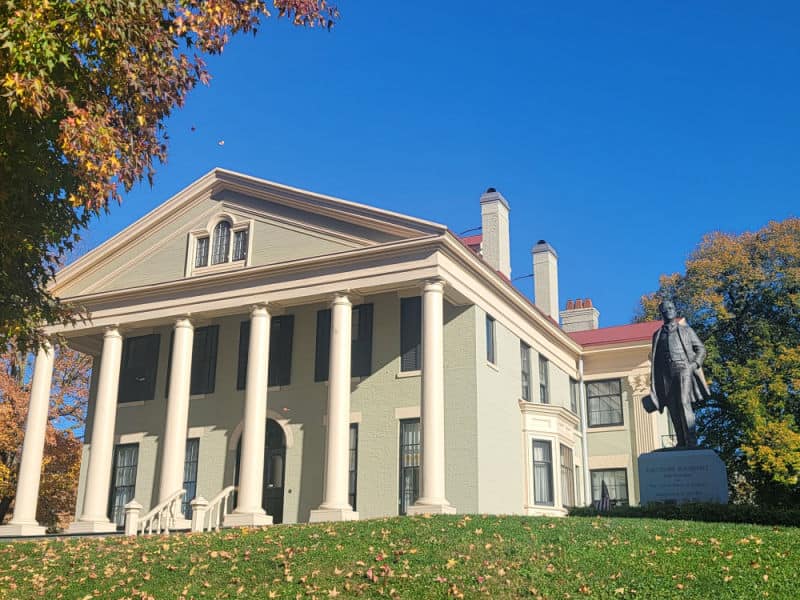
<point x="545" y="278"/>
<point x="496" y="243"/>
<point x="580" y="315"/>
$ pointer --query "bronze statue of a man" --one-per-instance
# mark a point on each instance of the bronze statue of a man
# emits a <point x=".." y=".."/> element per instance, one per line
<point x="676" y="375"/>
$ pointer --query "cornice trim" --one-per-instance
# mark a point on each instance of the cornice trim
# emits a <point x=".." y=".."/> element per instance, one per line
<point x="219" y="180"/>
<point x="468" y="259"/>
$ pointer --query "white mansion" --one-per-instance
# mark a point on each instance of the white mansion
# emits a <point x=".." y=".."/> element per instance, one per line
<point x="336" y="361"/>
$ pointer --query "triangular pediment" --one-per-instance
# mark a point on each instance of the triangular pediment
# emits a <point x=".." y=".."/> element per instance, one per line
<point x="282" y="223"/>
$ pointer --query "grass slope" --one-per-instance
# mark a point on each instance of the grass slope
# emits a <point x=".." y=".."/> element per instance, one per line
<point x="437" y="557"/>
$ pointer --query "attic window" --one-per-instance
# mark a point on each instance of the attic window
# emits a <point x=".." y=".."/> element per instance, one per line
<point x="240" y="245"/>
<point x="201" y="254"/>
<point x="222" y="243"/>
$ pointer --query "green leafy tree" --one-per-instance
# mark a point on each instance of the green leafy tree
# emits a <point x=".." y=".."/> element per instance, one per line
<point x="85" y="88"/>
<point x="741" y="293"/>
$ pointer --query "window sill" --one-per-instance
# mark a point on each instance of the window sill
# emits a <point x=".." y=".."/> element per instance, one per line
<point x="407" y="374"/>
<point x="605" y="428"/>
<point x="135" y="403"/>
<point x="492" y="366"/>
<point x="197" y="396"/>
<point x="224" y="266"/>
<point x="540" y="403"/>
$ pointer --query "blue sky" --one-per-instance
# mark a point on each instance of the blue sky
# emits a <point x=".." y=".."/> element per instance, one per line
<point x="605" y="125"/>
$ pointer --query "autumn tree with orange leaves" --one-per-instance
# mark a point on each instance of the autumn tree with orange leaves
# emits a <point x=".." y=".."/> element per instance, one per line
<point x="85" y="88"/>
<point x="62" y="454"/>
<point x="741" y="293"/>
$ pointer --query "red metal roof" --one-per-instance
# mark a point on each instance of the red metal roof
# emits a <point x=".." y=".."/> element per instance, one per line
<point x="617" y="334"/>
<point x="472" y="240"/>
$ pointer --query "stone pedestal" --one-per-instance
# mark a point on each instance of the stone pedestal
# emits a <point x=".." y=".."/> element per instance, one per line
<point x="679" y="476"/>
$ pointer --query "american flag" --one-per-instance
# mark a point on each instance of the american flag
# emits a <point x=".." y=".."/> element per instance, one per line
<point x="604" y="504"/>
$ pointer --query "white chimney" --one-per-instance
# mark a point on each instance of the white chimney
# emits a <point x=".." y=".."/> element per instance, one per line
<point x="496" y="246"/>
<point x="545" y="278"/>
<point x="580" y="315"/>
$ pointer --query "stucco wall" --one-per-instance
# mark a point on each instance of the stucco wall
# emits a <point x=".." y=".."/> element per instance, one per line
<point x="500" y="441"/>
<point x="504" y="464"/>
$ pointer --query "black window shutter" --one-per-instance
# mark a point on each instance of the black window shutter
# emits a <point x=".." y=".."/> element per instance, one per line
<point x="322" y="355"/>
<point x="410" y="333"/>
<point x="244" y="349"/>
<point x="361" y="357"/>
<point x="137" y="380"/>
<point x="204" y="360"/>
<point x="280" y="350"/>
<point x="169" y="362"/>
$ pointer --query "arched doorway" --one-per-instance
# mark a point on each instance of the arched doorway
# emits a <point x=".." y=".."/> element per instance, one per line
<point x="274" y="461"/>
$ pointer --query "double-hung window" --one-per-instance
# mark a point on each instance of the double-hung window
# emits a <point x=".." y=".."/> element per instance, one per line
<point x="542" y="473"/>
<point x="604" y="403"/>
<point x="574" y="393"/>
<point x="410" y="333"/>
<point x="525" y="361"/>
<point x="567" y="477"/>
<point x="410" y="448"/>
<point x="360" y="345"/>
<point x="544" y="380"/>
<point x="491" y="340"/>
<point x="137" y="376"/>
<point x="352" y="475"/>
<point x="123" y="481"/>
<point x="240" y="242"/>
<point x="201" y="252"/>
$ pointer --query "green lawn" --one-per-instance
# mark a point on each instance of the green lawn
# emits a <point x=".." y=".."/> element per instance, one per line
<point x="459" y="556"/>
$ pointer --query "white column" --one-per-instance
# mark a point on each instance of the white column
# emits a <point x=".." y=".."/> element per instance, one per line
<point x="23" y="522"/>
<point x="93" y="518"/>
<point x="173" y="444"/>
<point x="432" y="482"/>
<point x="334" y="505"/>
<point x="249" y="511"/>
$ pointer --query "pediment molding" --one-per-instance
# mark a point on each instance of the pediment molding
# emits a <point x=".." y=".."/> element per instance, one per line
<point x="221" y="180"/>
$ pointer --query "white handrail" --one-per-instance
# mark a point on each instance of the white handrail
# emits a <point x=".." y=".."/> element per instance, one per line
<point x="162" y="517"/>
<point x="215" y="511"/>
